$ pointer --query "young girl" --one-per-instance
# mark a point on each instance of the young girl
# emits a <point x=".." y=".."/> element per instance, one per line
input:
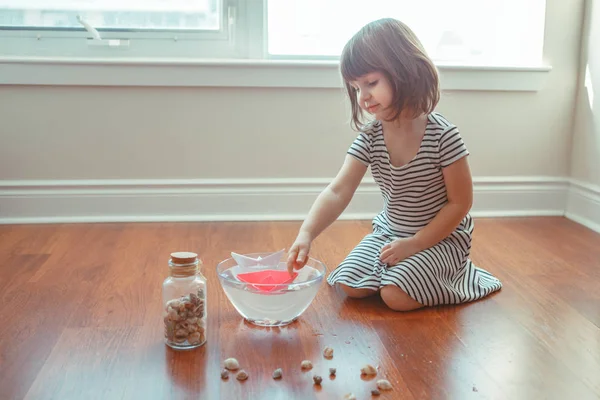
<point x="418" y="252"/>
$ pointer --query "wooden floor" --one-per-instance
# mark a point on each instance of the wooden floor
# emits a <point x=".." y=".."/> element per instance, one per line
<point x="81" y="318"/>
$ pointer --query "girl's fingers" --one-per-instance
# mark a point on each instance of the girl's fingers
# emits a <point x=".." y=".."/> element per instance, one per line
<point x="292" y="259"/>
<point x="385" y="254"/>
<point x="388" y="257"/>
<point x="302" y="255"/>
<point x="301" y="258"/>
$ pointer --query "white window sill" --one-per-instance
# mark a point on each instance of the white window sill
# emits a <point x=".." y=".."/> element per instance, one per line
<point x="241" y="73"/>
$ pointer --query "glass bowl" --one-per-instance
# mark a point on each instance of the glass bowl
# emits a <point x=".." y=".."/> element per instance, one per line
<point x="270" y="304"/>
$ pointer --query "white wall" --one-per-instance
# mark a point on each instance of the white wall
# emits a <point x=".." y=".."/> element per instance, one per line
<point x="95" y="133"/>
<point x="64" y="133"/>
<point x="585" y="164"/>
<point x="584" y="201"/>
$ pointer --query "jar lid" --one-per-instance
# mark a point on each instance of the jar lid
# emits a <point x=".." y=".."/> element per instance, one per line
<point x="183" y="257"/>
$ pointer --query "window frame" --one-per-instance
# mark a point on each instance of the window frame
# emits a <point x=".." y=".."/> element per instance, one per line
<point x="167" y="43"/>
<point x="245" y="64"/>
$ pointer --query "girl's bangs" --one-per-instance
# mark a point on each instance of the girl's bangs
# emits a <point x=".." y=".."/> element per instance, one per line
<point x="354" y="61"/>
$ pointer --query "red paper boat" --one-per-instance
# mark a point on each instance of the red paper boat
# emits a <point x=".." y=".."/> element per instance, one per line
<point x="267" y="280"/>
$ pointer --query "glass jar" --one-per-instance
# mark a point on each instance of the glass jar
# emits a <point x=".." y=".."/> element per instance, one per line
<point x="184" y="302"/>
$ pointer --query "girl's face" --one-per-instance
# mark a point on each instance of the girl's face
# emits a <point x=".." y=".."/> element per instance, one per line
<point x="374" y="94"/>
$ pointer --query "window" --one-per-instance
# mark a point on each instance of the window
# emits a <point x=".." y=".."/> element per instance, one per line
<point x="493" y="32"/>
<point x="119" y="28"/>
<point x="113" y="14"/>
<point x="472" y="32"/>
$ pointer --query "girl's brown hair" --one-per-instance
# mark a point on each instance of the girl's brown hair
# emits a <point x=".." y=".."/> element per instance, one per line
<point x="390" y="47"/>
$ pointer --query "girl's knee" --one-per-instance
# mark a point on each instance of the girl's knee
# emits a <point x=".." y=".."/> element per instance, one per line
<point x="357" y="293"/>
<point x="398" y="300"/>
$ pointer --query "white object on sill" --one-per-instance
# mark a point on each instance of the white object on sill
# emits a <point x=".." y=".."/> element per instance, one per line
<point x="109" y="42"/>
<point x="95" y="34"/>
<point x="97" y="40"/>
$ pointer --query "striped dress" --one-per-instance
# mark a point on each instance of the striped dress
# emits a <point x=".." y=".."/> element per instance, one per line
<point x="413" y="194"/>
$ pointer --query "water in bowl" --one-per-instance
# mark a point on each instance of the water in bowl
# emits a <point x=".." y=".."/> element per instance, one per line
<point x="274" y="308"/>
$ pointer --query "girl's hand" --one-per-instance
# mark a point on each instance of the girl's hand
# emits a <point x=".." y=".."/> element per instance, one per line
<point x="298" y="254"/>
<point x="398" y="250"/>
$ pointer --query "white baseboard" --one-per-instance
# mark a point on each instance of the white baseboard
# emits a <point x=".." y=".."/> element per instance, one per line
<point x="519" y="196"/>
<point x="583" y="204"/>
<point x="170" y="200"/>
<point x="253" y="200"/>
